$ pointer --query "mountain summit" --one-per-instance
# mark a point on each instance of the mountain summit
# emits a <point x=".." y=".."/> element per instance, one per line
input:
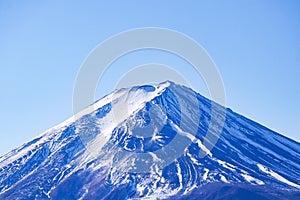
<point x="154" y="142"/>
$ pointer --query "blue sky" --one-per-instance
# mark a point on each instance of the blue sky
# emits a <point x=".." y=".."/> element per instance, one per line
<point x="255" y="45"/>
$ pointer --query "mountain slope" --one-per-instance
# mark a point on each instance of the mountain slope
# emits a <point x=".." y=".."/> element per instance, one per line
<point x="126" y="146"/>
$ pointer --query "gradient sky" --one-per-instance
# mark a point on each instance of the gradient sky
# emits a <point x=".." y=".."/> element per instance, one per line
<point x="255" y="45"/>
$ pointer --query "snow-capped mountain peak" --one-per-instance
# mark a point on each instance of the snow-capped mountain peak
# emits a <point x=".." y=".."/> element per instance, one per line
<point x="154" y="142"/>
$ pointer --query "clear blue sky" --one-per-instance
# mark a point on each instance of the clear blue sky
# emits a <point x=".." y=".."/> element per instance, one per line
<point x="255" y="44"/>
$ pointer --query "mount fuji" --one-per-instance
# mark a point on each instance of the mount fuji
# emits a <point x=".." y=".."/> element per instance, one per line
<point x="161" y="141"/>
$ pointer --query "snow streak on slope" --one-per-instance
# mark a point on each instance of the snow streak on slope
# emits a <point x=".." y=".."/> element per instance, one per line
<point x="277" y="176"/>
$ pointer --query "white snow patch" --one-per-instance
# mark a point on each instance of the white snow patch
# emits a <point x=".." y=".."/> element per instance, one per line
<point x="140" y="189"/>
<point x="155" y="158"/>
<point x="277" y="176"/>
<point x="226" y="165"/>
<point x="203" y="147"/>
<point x="194" y="160"/>
<point x="179" y="174"/>
<point x="204" y="177"/>
<point x="190" y="189"/>
<point x="251" y="179"/>
<point x="192" y="138"/>
<point x="224" y="179"/>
